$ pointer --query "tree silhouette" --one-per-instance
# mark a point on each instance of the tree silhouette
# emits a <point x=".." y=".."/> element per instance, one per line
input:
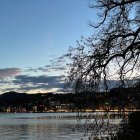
<point x="112" y="52"/>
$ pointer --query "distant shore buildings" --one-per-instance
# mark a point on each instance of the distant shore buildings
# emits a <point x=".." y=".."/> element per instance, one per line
<point x="115" y="100"/>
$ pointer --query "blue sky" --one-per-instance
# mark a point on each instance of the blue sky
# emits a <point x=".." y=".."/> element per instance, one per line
<point x="34" y="34"/>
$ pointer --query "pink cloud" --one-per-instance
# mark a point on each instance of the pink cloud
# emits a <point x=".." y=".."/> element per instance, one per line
<point x="9" y="72"/>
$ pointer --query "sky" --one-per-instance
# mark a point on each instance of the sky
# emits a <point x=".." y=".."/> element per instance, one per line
<point x="34" y="37"/>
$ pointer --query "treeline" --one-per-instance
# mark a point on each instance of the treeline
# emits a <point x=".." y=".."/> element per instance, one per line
<point x="119" y="98"/>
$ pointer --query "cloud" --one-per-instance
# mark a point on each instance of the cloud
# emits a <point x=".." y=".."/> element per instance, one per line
<point x="53" y="68"/>
<point x="9" y="72"/>
<point x="31" y="70"/>
<point x="64" y="56"/>
<point x="43" y="82"/>
<point x="56" y="64"/>
<point x="4" y="81"/>
<point x="37" y="79"/>
<point x="48" y="68"/>
<point x="59" y="60"/>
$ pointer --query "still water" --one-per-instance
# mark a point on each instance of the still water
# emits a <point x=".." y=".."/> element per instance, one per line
<point x="38" y="126"/>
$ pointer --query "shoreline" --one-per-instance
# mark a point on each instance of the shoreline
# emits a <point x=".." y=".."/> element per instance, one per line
<point x="100" y="111"/>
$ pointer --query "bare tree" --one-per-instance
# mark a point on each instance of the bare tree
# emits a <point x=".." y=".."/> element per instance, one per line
<point x="113" y="51"/>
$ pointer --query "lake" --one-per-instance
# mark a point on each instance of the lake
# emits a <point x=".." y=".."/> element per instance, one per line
<point x="38" y="126"/>
<point x="42" y="126"/>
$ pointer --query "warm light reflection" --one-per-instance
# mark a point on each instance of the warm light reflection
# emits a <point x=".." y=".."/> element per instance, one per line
<point x="42" y="91"/>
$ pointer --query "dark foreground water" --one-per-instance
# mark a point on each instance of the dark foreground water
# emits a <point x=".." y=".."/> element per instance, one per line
<point x="38" y="126"/>
<point x="41" y="126"/>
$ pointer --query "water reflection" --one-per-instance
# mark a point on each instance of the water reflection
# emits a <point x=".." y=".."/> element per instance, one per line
<point x="37" y="127"/>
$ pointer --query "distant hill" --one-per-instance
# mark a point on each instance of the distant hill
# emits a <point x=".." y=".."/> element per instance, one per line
<point x="12" y="97"/>
<point x="117" y="97"/>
